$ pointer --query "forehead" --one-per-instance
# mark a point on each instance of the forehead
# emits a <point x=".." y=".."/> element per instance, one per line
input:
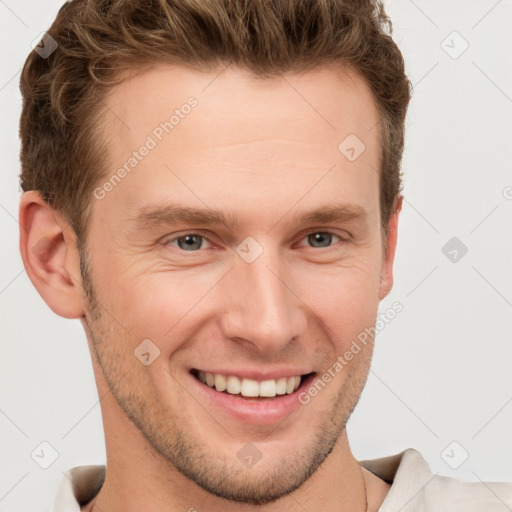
<point x="308" y="104"/>
<point x="228" y="130"/>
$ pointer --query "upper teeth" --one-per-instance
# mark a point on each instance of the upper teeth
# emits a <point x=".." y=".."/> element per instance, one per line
<point x="250" y="387"/>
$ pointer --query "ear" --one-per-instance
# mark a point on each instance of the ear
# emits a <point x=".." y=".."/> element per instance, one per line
<point x="49" y="253"/>
<point x="386" y="276"/>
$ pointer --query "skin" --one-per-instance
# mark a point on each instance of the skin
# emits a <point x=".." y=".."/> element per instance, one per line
<point x="254" y="149"/>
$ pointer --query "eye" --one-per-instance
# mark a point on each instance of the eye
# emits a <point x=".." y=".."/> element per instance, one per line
<point x="322" y="239"/>
<point x="189" y="242"/>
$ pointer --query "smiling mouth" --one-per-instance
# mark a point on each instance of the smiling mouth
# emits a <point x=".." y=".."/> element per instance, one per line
<point x="249" y="388"/>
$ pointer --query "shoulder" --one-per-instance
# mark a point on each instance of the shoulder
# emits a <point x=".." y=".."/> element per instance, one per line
<point x="415" y="488"/>
<point x="468" y="496"/>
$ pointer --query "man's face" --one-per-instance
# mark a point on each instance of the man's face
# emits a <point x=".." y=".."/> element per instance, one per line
<point x="271" y="294"/>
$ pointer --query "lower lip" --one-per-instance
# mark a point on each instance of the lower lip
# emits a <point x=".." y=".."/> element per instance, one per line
<point x="260" y="411"/>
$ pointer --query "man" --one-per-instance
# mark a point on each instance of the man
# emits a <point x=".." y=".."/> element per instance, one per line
<point x="213" y="188"/>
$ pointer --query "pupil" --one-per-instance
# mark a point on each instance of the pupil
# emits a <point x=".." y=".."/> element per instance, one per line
<point x="321" y="239"/>
<point x="189" y="242"/>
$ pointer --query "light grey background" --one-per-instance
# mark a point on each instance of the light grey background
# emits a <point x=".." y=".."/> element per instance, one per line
<point x="442" y="369"/>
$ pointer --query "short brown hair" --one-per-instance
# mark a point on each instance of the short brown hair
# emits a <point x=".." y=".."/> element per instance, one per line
<point x="101" y="42"/>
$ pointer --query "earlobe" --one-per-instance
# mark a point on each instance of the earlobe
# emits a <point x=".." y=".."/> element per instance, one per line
<point x="386" y="280"/>
<point x="50" y="256"/>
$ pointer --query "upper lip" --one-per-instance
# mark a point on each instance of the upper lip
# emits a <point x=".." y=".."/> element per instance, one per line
<point x="254" y="374"/>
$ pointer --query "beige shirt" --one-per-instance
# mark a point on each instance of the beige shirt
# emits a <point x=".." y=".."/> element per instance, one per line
<point x="414" y="488"/>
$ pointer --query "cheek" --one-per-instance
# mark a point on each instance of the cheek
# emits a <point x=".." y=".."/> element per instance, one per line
<point x="159" y="304"/>
<point x="345" y="298"/>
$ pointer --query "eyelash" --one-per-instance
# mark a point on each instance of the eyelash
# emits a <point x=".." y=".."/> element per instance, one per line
<point x="203" y="237"/>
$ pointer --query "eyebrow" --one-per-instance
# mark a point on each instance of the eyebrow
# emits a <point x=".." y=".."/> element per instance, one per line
<point x="155" y="216"/>
<point x="332" y="213"/>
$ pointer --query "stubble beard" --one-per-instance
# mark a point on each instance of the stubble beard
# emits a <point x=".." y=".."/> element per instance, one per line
<point x="186" y="451"/>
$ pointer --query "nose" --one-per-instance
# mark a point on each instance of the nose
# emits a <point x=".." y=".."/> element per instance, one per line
<point x="259" y="305"/>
